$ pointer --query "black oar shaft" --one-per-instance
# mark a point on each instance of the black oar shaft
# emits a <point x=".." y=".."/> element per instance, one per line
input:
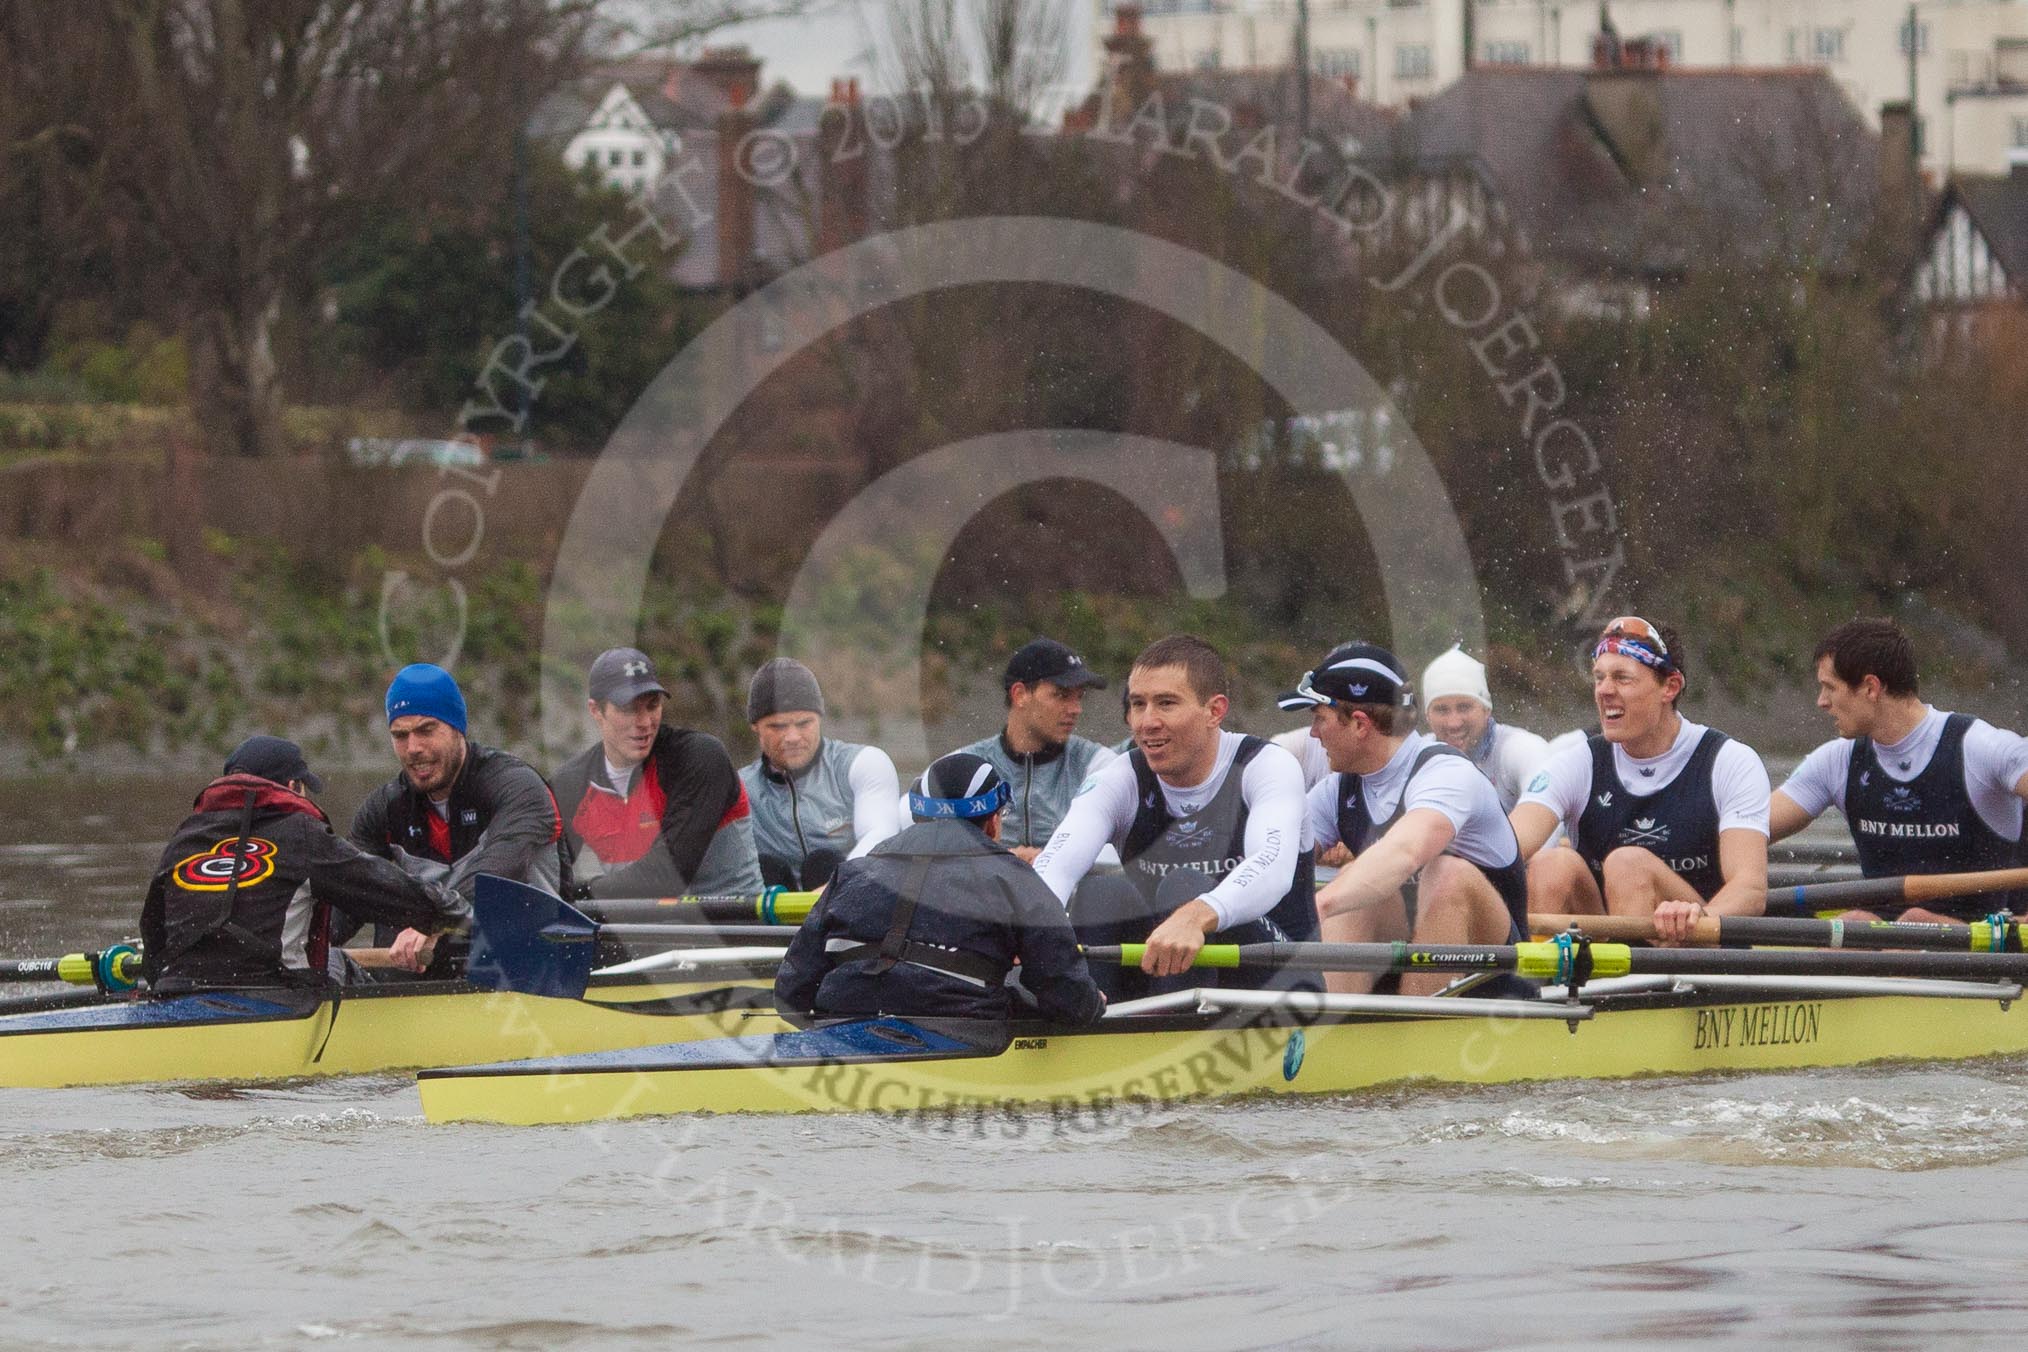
<point x="701" y="935"/>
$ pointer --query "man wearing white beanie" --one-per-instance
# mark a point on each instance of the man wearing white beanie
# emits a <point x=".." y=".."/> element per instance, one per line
<point x="1459" y="706"/>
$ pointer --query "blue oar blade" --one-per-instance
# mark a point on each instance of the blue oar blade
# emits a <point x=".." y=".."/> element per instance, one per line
<point x="524" y="939"/>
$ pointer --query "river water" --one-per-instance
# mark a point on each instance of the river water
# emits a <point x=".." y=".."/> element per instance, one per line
<point x="1850" y="1209"/>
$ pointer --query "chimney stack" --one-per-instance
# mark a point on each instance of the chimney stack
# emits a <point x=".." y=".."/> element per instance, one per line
<point x="843" y="177"/>
<point x="734" y="70"/>
<point x="1130" y="58"/>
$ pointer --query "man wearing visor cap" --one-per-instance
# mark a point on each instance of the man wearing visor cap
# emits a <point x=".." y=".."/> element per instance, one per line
<point x="1405" y="805"/>
<point x="932" y="919"/>
<point x="1666" y="818"/>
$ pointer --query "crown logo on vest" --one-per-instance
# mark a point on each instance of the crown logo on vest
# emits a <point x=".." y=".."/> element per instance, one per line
<point x="1901" y="798"/>
<point x="1187" y="834"/>
<point x="1645" y="832"/>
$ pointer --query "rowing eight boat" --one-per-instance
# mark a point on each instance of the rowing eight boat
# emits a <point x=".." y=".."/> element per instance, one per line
<point x="1201" y="1044"/>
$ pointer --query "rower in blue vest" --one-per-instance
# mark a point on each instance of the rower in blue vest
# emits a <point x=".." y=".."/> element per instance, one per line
<point x="1923" y="791"/>
<point x="1406" y="806"/>
<point x="1210" y="830"/>
<point x="930" y="922"/>
<point x="1666" y="818"/>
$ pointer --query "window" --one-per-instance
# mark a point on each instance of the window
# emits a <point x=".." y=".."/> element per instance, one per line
<point x="2021" y="133"/>
<point x="614" y="158"/>
<point x="640" y="158"/>
<point x="1670" y="40"/>
<point x="1334" y="62"/>
<point x="1828" y="44"/>
<point x="1207" y="59"/>
<point x="1795" y="47"/>
<point x="1411" y="61"/>
<point x="1507" y="53"/>
<point x="1738" y="48"/>
<point x="1921" y="38"/>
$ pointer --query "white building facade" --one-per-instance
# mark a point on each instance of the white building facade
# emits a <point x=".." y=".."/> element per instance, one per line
<point x="1970" y="56"/>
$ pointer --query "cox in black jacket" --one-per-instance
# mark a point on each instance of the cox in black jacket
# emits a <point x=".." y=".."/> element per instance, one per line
<point x="977" y="909"/>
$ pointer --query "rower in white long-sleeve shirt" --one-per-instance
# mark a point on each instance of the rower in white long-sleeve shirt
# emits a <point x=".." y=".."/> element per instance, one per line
<point x="1209" y="824"/>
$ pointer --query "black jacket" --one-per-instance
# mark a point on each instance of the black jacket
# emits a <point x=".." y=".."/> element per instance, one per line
<point x="975" y="900"/>
<point x="198" y="930"/>
<point x="503" y="820"/>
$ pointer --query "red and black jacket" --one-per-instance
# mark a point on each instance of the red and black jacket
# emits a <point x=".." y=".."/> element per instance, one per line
<point x="221" y="895"/>
<point x="691" y="785"/>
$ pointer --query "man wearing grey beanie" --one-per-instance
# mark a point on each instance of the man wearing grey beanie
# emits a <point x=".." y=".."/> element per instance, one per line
<point x="816" y="802"/>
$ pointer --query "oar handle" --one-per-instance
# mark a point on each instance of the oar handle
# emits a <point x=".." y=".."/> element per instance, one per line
<point x="1809" y="898"/>
<point x="1621" y="929"/>
<point x="115" y="969"/>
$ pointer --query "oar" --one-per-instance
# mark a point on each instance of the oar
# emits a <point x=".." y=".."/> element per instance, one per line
<point x="776" y="906"/>
<point x="1912" y="890"/>
<point x="115" y="969"/>
<point x="1980" y="936"/>
<point x="528" y="940"/>
<point x="1558" y="961"/>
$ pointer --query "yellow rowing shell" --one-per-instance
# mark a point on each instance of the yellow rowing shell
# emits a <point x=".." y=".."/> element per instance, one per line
<point x="916" y="1066"/>
<point x="271" y="1036"/>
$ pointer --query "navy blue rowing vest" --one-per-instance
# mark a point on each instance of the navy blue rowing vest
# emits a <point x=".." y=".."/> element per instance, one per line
<point x="1357" y="830"/>
<point x="1213" y="842"/>
<point x="1679" y="824"/>
<point x="1927" y="824"/>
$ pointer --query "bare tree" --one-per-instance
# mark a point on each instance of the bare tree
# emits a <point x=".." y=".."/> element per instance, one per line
<point x="231" y="139"/>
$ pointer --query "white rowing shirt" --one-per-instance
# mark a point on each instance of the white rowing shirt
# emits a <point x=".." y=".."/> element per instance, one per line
<point x="1739" y="782"/>
<point x="1450" y="785"/>
<point x="1995" y="760"/>
<point x="1277" y="832"/>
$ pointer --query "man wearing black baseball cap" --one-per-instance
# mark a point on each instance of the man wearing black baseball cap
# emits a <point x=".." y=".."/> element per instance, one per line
<point x="244" y="893"/>
<point x="1404" y="804"/>
<point x="1038" y="751"/>
<point x="651" y="810"/>
<point x="930" y="922"/>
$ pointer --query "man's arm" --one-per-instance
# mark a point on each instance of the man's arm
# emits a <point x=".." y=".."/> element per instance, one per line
<point x="1052" y="968"/>
<point x="701" y="787"/>
<point x="876" y="799"/>
<point x="524" y="821"/>
<point x="1784" y="816"/>
<point x="1101" y="812"/>
<point x="1533" y="825"/>
<point x="369" y="888"/>
<point x="1742" y="858"/>
<point x="1381" y="868"/>
<point x="806" y="961"/>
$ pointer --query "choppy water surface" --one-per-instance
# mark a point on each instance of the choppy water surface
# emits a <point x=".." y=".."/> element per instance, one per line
<point x="1841" y="1209"/>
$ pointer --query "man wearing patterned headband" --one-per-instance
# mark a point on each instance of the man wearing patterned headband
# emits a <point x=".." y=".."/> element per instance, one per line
<point x="1406" y="806"/>
<point x="1666" y="818"/>
<point x="931" y="920"/>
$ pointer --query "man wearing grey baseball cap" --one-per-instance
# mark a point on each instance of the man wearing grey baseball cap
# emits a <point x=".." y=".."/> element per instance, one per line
<point x="651" y="810"/>
<point x="816" y="801"/>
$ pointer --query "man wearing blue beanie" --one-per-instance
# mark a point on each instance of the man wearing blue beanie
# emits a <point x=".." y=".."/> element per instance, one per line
<point x="457" y="809"/>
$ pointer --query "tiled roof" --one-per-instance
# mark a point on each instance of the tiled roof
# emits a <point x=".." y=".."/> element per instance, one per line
<point x="1999" y="207"/>
<point x="1644" y="171"/>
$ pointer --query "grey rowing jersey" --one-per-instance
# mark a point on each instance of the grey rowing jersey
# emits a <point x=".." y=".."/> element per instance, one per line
<point x="812" y="810"/>
<point x="1041" y="786"/>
